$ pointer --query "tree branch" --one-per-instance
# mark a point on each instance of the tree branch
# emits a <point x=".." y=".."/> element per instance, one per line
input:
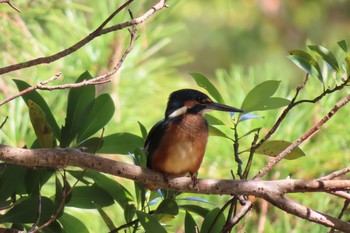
<point x="272" y="191"/>
<point x="308" y="134"/>
<point x="96" y="33"/>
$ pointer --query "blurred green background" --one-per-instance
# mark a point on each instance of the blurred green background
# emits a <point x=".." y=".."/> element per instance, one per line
<point x="237" y="44"/>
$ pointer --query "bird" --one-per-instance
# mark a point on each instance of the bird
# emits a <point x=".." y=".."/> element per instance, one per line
<point x="176" y="145"/>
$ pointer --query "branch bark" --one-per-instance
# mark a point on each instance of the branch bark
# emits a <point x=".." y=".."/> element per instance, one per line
<point x="272" y="191"/>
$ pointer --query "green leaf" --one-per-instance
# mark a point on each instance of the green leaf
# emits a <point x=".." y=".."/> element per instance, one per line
<point x="119" y="143"/>
<point x="129" y="212"/>
<point x="209" y="223"/>
<point x="39" y="100"/>
<point x="143" y="130"/>
<point x="72" y="224"/>
<point x="92" y="145"/>
<point x="255" y="130"/>
<point x="306" y="62"/>
<point x="190" y="224"/>
<point x="204" y="82"/>
<point x="26" y="210"/>
<point x="150" y="223"/>
<point x="213" y="131"/>
<point x="347" y="65"/>
<point x="344" y="46"/>
<point x="108" y="221"/>
<point x="116" y="190"/>
<point x="85" y="196"/>
<point x="168" y="206"/>
<point x="326" y="55"/>
<point x="41" y="127"/>
<point x="35" y="178"/>
<point x="100" y="114"/>
<point x="201" y="211"/>
<point x="270" y="103"/>
<point x="11" y="177"/>
<point x="213" y="120"/>
<point x="78" y="107"/>
<point x="259" y="98"/>
<point x="275" y="147"/>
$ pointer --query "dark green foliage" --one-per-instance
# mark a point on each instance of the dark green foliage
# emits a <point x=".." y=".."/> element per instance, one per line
<point x="26" y="210"/>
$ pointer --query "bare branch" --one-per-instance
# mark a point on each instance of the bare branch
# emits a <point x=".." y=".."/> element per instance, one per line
<point x="94" y="81"/>
<point x="10" y="4"/>
<point x="30" y="89"/>
<point x="335" y="174"/>
<point x="308" y="134"/>
<point x="96" y="33"/>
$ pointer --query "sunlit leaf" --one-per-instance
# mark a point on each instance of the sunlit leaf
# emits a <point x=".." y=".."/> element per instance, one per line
<point x="213" y="131"/>
<point x="213" y="120"/>
<point x="275" y="147"/>
<point x="204" y="82"/>
<point x="344" y="46"/>
<point x="190" y="224"/>
<point x="100" y="114"/>
<point x="150" y="223"/>
<point x="270" y="103"/>
<point x="212" y="223"/>
<point x="326" y="55"/>
<point x="41" y="127"/>
<point x="39" y="100"/>
<point x="259" y="98"/>
<point x="107" y="220"/>
<point x="306" y="62"/>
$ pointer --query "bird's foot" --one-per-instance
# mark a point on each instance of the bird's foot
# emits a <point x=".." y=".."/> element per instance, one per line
<point x="194" y="179"/>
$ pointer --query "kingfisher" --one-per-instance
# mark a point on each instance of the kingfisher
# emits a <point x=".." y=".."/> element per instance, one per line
<point x="176" y="144"/>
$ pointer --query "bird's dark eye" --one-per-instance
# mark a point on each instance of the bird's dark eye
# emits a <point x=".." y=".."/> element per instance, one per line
<point x="205" y="101"/>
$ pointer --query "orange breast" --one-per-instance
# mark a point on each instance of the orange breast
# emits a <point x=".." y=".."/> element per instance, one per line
<point x="182" y="148"/>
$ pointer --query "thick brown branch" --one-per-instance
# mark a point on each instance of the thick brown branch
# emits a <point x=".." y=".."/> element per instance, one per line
<point x="272" y="191"/>
<point x="96" y="33"/>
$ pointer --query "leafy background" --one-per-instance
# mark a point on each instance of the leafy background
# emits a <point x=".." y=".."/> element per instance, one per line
<point x="237" y="44"/>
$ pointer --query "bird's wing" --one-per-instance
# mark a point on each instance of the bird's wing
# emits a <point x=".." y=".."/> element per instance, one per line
<point x="153" y="139"/>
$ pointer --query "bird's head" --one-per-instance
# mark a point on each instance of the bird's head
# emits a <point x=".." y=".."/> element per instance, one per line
<point x="193" y="102"/>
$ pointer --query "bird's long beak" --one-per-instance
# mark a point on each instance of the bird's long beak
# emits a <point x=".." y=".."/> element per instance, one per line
<point x="222" y="107"/>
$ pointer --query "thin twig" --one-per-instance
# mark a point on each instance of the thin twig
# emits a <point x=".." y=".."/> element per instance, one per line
<point x="94" y="81"/>
<point x="335" y="174"/>
<point x="10" y="4"/>
<point x="4" y="122"/>
<point x="96" y="33"/>
<point x="308" y="134"/>
<point x="30" y="89"/>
